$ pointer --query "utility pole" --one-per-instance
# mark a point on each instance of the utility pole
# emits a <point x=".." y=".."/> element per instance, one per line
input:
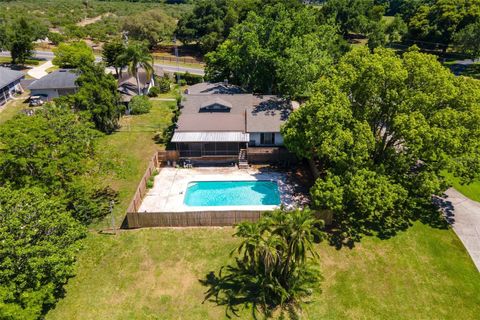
<point x="176" y="56"/>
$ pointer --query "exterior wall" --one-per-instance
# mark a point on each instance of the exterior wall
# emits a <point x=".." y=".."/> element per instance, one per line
<point x="7" y="91"/>
<point x="255" y="139"/>
<point x="51" y="93"/>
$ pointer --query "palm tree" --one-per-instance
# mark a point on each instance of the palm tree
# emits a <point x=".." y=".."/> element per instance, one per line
<point x="137" y="56"/>
<point x="276" y="264"/>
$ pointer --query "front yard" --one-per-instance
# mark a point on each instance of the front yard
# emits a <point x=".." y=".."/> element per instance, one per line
<point x="424" y="273"/>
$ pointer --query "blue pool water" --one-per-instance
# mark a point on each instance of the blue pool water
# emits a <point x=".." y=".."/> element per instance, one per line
<point x="232" y="193"/>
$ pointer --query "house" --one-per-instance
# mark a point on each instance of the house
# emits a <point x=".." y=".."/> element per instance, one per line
<point x="9" y="84"/>
<point x="127" y="85"/>
<point x="221" y="122"/>
<point x="58" y="83"/>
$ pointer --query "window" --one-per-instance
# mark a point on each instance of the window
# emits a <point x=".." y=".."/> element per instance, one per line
<point x="267" y="138"/>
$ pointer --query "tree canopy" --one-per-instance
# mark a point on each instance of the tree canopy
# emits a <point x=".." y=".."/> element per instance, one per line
<point x="439" y="20"/>
<point x="38" y="244"/>
<point x="381" y="129"/>
<point x="153" y="26"/>
<point x="279" y="50"/>
<point x="73" y="55"/>
<point x="97" y="97"/>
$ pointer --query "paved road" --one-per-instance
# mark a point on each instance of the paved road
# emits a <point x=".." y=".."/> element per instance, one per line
<point x="464" y="215"/>
<point x="47" y="55"/>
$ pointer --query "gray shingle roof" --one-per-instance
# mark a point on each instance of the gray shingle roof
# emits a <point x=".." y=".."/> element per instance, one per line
<point x="60" y="79"/>
<point x="247" y="113"/>
<point x="214" y="88"/>
<point x="8" y="76"/>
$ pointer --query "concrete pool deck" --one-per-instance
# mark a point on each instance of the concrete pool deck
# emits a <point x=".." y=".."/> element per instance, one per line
<point x="167" y="194"/>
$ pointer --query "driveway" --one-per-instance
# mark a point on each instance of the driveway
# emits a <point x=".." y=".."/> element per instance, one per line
<point x="40" y="71"/>
<point x="464" y="215"/>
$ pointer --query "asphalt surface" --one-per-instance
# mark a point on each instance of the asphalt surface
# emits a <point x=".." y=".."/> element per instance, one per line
<point x="47" y="55"/>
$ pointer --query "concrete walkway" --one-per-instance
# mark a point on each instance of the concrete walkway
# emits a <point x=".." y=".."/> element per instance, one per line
<point x="464" y="215"/>
<point x="40" y="71"/>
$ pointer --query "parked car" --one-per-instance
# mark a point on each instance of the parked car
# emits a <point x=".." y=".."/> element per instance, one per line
<point x="37" y="100"/>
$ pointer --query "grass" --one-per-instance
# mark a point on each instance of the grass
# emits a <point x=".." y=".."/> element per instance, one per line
<point x="471" y="190"/>
<point x="28" y="62"/>
<point x="423" y="273"/>
<point x="126" y="152"/>
<point x="13" y="107"/>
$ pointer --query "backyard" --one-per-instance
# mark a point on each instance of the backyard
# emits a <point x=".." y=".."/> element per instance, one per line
<point x="154" y="273"/>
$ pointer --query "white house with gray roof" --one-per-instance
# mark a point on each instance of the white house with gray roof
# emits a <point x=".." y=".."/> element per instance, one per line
<point x="9" y="84"/>
<point x="58" y="83"/>
<point x="218" y="120"/>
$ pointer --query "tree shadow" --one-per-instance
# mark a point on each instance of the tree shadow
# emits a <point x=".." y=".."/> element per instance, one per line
<point x="234" y="290"/>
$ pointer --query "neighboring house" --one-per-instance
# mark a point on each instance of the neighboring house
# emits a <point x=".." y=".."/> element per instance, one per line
<point x="127" y="85"/>
<point x="9" y="84"/>
<point x="58" y="83"/>
<point x="217" y="120"/>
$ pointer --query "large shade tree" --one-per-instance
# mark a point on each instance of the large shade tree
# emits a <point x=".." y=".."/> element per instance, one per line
<point x="381" y="129"/>
<point x="281" y="49"/>
<point x="38" y="244"/>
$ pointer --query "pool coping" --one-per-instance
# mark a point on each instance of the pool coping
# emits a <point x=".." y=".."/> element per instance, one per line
<point x="172" y="196"/>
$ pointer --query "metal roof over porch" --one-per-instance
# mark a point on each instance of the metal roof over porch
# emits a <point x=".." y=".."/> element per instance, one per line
<point x="210" y="137"/>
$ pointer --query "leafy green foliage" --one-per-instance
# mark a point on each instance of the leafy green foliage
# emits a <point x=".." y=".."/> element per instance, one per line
<point x="20" y="35"/>
<point x="152" y="26"/>
<point x="97" y="98"/>
<point x="113" y="54"/>
<point x="380" y="129"/>
<point x="357" y="16"/>
<point x="189" y="78"/>
<point x="47" y="148"/>
<point x="139" y="105"/>
<point x="281" y="50"/>
<point x="439" y="20"/>
<point x="38" y="244"/>
<point x="163" y="83"/>
<point x="73" y="55"/>
<point x="138" y="57"/>
<point x="468" y="40"/>
<point x="276" y="266"/>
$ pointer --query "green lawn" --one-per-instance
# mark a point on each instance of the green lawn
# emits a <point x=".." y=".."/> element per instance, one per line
<point x="127" y="152"/>
<point x="13" y="107"/>
<point x="471" y="191"/>
<point x="423" y="273"/>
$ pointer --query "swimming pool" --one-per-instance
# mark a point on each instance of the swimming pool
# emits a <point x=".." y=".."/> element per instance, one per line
<point x="232" y="193"/>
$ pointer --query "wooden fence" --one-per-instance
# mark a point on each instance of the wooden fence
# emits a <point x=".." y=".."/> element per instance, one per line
<point x="190" y="219"/>
<point x="269" y="155"/>
<point x="158" y="160"/>
<point x="200" y="218"/>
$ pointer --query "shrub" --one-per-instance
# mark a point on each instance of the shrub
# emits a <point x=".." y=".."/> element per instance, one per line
<point x="189" y="78"/>
<point x="150" y="182"/>
<point x="163" y="83"/>
<point x="154" y="92"/>
<point x="139" y="105"/>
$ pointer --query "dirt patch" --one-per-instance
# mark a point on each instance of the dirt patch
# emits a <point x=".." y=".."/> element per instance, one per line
<point x="87" y="21"/>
